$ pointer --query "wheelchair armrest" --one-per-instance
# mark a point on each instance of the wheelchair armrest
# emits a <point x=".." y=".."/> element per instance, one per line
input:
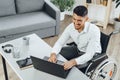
<point x="99" y="57"/>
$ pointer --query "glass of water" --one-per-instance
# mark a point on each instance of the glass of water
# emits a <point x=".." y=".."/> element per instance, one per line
<point x="16" y="52"/>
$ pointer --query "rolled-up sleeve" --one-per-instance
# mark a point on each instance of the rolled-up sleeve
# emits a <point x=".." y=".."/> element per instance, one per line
<point x="61" y="41"/>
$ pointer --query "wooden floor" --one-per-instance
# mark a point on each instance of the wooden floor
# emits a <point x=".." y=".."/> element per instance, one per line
<point x="113" y="48"/>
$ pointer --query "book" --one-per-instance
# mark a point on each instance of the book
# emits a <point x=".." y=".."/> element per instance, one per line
<point x="24" y="63"/>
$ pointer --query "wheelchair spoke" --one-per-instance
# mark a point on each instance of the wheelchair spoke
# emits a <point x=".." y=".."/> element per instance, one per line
<point x="106" y="71"/>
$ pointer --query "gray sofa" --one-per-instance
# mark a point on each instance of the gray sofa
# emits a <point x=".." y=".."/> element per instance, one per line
<point x="22" y="17"/>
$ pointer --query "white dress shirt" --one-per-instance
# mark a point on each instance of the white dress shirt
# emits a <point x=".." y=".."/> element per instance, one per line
<point x="87" y="41"/>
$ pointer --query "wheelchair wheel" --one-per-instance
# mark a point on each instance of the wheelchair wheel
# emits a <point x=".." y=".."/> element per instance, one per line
<point x="105" y="70"/>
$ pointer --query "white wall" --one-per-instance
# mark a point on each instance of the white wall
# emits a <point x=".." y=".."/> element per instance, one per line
<point x="79" y="2"/>
<point x="117" y="12"/>
<point x="97" y="12"/>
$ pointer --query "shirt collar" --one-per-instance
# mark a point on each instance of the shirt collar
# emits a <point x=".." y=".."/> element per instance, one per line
<point x="86" y="27"/>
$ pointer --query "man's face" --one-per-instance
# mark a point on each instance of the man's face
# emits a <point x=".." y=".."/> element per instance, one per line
<point x="79" y="21"/>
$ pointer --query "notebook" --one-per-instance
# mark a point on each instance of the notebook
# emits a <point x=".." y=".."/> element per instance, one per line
<point x="44" y="65"/>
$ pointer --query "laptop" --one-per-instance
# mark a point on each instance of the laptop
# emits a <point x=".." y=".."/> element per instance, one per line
<point x="49" y="67"/>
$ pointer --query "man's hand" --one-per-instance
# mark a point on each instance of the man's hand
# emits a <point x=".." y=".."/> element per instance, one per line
<point x="53" y="58"/>
<point x="69" y="64"/>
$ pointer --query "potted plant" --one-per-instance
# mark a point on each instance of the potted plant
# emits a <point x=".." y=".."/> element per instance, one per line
<point x="63" y="5"/>
<point x="117" y="20"/>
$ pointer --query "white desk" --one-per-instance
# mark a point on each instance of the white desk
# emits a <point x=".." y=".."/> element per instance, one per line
<point x="39" y="49"/>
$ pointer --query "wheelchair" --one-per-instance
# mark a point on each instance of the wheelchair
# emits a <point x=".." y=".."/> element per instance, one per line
<point x="101" y="67"/>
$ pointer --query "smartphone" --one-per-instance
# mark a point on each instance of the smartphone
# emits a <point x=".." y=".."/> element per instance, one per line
<point x="24" y="62"/>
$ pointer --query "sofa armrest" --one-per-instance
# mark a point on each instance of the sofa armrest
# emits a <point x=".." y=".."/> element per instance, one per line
<point x="54" y="12"/>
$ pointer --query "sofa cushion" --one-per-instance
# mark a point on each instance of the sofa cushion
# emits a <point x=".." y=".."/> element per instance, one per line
<point x="29" y="5"/>
<point x="7" y="7"/>
<point x="25" y="22"/>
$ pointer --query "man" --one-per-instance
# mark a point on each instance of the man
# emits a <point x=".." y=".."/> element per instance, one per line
<point x="85" y="35"/>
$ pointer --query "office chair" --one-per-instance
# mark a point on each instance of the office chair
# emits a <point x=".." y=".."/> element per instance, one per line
<point x="97" y="68"/>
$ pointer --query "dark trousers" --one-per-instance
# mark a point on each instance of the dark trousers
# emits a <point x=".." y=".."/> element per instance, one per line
<point x="71" y="52"/>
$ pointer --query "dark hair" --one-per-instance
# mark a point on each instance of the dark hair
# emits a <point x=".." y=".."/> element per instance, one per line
<point x="80" y="10"/>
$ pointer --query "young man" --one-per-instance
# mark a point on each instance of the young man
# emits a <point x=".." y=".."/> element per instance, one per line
<point x="85" y="35"/>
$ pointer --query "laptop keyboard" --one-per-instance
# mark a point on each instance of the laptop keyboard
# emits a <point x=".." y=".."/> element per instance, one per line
<point x="58" y="61"/>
